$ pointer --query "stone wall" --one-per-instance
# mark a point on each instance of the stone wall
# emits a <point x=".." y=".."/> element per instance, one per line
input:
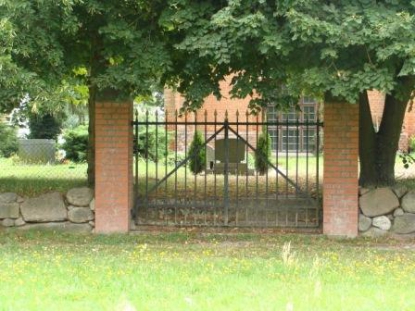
<point x="386" y="210"/>
<point x="74" y="211"/>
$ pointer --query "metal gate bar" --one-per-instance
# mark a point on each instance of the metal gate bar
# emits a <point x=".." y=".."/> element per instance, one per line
<point x="295" y="205"/>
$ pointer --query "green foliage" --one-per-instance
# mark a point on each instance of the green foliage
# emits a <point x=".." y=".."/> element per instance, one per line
<point x="263" y="153"/>
<point x="412" y="144"/>
<point x="152" y="143"/>
<point x="334" y="50"/>
<point x="197" y="153"/>
<point x="58" y="50"/>
<point x="76" y="143"/>
<point x="44" y="126"/>
<point x="407" y="159"/>
<point x="8" y="141"/>
<point x="250" y="160"/>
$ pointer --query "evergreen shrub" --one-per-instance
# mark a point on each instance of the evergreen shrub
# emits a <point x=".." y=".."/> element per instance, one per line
<point x="44" y="126"/>
<point x="197" y="153"/>
<point x="8" y="141"/>
<point x="263" y="153"/>
<point x="76" y="143"/>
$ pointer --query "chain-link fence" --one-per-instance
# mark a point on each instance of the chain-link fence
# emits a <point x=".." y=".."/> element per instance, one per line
<point x="31" y="166"/>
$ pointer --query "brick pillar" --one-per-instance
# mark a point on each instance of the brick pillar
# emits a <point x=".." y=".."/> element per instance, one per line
<point x="340" y="188"/>
<point x="113" y="166"/>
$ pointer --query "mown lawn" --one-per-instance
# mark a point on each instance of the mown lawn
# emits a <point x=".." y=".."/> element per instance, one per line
<point x="194" y="271"/>
<point x="34" y="179"/>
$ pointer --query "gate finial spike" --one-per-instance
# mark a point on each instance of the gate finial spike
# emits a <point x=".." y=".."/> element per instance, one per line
<point x="226" y="114"/>
<point x="136" y="113"/>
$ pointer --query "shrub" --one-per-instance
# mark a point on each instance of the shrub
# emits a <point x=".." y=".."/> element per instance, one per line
<point x="44" y="126"/>
<point x="8" y="141"/>
<point x="76" y="143"/>
<point x="197" y="153"/>
<point x="263" y="153"/>
<point x="412" y="144"/>
<point x="152" y="143"/>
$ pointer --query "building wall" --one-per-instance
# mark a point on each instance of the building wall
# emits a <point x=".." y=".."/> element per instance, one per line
<point x="377" y="104"/>
<point x="213" y="110"/>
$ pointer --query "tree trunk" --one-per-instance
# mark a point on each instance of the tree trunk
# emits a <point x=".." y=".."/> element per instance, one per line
<point x="377" y="151"/>
<point x="91" y="133"/>
<point x="388" y="139"/>
<point x="367" y="143"/>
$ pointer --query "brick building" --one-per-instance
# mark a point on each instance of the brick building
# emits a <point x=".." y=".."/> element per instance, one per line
<point x="309" y="110"/>
<point x="377" y="104"/>
<point x="283" y="138"/>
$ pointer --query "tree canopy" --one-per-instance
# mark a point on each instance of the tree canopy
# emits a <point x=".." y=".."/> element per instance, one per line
<point x="335" y="50"/>
<point x="279" y="49"/>
<point x="113" y="45"/>
<point x="115" y="49"/>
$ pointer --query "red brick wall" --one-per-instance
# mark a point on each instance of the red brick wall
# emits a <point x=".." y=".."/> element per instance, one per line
<point x="340" y="186"/>
<point x="212" y="110"/>
<point x="174" y="101"/>
<point x="409" y="122"/>
<point x="377" y="104"/>
<point x="113" y="166"/>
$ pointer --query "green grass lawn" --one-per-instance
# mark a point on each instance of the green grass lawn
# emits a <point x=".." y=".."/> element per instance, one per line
<point x="33" y="179"/>
<point x="191" y="271"/>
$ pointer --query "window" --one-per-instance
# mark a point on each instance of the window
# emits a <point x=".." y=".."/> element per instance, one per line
<point x="293" y="137"/>
<point x="290" y="141"/>
<point x="309" y="113"/>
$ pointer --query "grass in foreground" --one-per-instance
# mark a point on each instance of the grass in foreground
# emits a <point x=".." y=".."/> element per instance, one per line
<point x="190" y="271"/>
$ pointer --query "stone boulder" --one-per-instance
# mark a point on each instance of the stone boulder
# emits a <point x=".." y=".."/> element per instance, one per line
<point x="382" y="222"/>
<point x="378" y="202"/>
<point x="374" y="232"/>
<point x="363" y="191"/>
<point x="92" y="205"/>
<point x="8" y="222"/>
<point x="80" y="196"/>
<point x="9" y="210"/>
<point x="400" y="190"/>
<point x="8" y="197"/>
<point x="404" y="224"/>
<point x="19" y="222"/>
<point x="45" y="208"/>
<point x="9" y="207"/>
<point x="364" y="223"/>
<point x="398" y="212"/>
<point x="80" y="214"/>
<point x="408" y="202"/>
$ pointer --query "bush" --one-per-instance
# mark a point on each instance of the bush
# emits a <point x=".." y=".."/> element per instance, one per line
<point x="152" y="144"/>
<point x="412" y="144"/>
<point x="263" y="153"/>
<point x="76" y="143"/>
<point x="8" y="141"/>
<point x="197" y="153"/>
<point x="44" y="126"/>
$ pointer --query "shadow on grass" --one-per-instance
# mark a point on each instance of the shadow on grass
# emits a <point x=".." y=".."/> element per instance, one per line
<point x="34" y="186"/>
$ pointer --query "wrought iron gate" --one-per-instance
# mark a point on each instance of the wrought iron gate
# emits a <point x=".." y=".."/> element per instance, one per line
<point x="243" y="177"/>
